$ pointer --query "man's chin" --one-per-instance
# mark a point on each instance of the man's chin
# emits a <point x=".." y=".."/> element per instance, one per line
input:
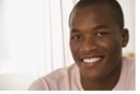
<point x="89" y="75"/>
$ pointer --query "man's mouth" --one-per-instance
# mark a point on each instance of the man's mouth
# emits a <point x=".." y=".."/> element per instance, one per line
<point x="91" y="61"/>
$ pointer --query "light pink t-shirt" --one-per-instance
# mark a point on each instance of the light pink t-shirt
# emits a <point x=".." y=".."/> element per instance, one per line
<point x="69" y="79"/>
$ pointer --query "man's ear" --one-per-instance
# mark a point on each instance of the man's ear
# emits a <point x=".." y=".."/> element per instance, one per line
<point x="125" y="37"/>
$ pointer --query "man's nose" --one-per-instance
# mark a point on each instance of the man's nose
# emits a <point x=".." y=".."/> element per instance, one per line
<point x="89" y="45"/>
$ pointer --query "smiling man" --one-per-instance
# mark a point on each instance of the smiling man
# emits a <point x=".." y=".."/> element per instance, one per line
<point x="97" y="36"/>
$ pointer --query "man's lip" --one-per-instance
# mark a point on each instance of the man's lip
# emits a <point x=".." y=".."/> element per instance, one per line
<point x="97" y="58"/>
<point x="90" y="64"/>
<point x="90" y="56"/>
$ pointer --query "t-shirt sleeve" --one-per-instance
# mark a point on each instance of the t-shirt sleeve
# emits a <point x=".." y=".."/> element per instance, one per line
<point x="40" y="84"/>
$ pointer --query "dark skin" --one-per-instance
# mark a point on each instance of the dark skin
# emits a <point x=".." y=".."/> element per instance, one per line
<point x="96" y="42"/>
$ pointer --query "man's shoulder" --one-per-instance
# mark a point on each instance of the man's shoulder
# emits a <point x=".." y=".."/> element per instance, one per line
<point x="127" y="77"/>
<point x="61" y="73"/>
<point x="130" y="62"/>
<point x="55" y="80"/>
<point x="130" y="72"/>
<point x="129" y="65"/>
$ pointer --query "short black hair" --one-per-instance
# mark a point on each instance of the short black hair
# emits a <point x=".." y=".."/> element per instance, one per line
<point x="116" y="10"/>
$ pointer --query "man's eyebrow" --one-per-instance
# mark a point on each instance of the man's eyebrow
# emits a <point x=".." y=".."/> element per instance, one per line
<point x="101" y="27"/>
<point x="74" y="31"/>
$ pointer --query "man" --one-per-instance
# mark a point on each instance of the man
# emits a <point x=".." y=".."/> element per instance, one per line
<point x="97" y="35"/>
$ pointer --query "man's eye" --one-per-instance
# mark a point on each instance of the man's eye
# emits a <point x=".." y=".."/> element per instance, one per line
<point x="100" y="34"/>
<point x="76" y="37"/>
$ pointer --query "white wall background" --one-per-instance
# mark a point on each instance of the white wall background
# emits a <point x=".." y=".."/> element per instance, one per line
<point x="34" y="38"/>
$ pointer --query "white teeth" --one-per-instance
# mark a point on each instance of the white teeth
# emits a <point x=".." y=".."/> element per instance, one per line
<point x="91" y="60"/>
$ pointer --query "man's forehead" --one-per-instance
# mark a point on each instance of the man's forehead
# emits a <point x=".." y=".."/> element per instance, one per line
<point x="89" y="13"/>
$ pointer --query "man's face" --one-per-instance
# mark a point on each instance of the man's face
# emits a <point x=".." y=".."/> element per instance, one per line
<point x="95" y="41"/>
